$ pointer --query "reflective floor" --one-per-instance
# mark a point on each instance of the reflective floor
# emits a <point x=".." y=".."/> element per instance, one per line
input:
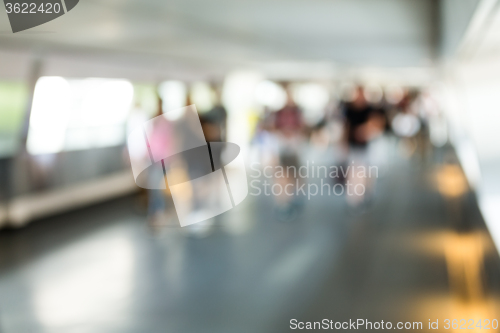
<point x="415" y="253"/>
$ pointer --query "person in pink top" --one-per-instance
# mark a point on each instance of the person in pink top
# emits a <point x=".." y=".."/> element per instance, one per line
<point x="160" y="143"/>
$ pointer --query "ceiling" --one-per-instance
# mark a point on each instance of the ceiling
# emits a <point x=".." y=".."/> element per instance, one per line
<point x="482" y="42"/>
<point x="213" y="37"/>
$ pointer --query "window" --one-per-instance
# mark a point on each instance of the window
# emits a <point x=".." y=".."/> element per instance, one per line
<point x="75" y="114"/>
<point x="13" y="97"/>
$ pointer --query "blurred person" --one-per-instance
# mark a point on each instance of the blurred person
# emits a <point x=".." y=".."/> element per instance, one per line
<point x="213" y="132"/>
<point x="265" y="139"/>
<point x="363" y="123"/>
<point x="335" y="129"/>
<point x="320" y="132"/>
<point x="161" y="139"/>
<point x="214" y="123"/>
<point x="218" y="114"/>
<point x="212" y="126"/>
<point x="433" y="124"/>
<point x="406" y="124"/>
<point x="289" y="128"/>
<point x="320" y="136"/>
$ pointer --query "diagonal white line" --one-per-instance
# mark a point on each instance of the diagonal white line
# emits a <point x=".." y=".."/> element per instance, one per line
<point x="227" y="185"/>
<point x="64" y="6"/>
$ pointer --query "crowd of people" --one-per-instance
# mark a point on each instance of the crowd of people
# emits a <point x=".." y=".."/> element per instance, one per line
<point x="350" y="132"/>
<point x="347" y="130"/>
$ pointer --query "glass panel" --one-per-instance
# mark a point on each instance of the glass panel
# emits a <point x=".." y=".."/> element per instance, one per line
<point x="13" y="99"/>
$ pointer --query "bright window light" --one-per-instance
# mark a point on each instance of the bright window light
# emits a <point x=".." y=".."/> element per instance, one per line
<point x="49" y="115"/>
<point x="174" y="95"/>
<point x="146" y="99"/>
<point x="313" y="98"/>
<point x="270" y="94"/>
<point x="100" y="108"/>
<point x="106" y="102"/>
<point x="202" y="96"/>
<point x="238" y="96"/>
<point x="74" y="114"/>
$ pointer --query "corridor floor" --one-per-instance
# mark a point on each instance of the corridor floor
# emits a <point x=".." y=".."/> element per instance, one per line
<point x="412" y="255"/>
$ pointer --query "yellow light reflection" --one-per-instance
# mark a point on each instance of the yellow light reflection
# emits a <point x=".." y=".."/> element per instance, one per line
<point x="451" y="181"/>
